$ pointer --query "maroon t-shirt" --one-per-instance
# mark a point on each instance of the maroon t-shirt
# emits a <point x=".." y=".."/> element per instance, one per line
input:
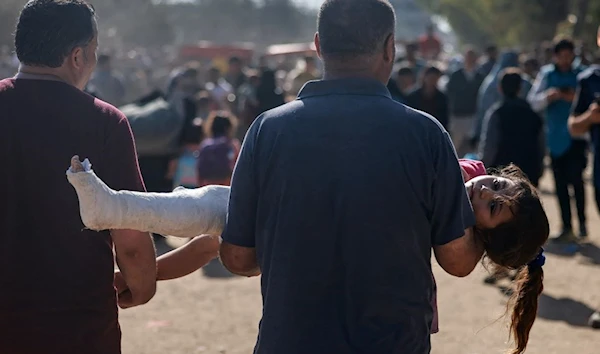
<point x="56" y="278"/>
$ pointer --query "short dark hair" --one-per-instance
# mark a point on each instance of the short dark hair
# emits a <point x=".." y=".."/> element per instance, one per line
<point x="491" y="49"/>
<point x="235" y="60"/>
<point x="220" y="123"/>
<point x="406" y="71"/>
<point x="350" y="28"/>
<point x="564" y="44"/>
<point x="49" y="30"/>
<point x="193" y="132"/>
<point x="432" y="70"/>
<point x="510" y="82"/>
<point x="531" y="61"/>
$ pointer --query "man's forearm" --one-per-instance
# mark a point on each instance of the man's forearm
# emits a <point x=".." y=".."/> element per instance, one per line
<point x="240" y="260"/>
<point x="579" y="125"/>
<point x="475" y="246"/>
<point x="460" y="257"/>
<point x="137" y="263"/>
<point x="251" y="272"/>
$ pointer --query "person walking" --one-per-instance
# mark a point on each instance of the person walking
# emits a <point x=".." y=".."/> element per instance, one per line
<point x="57" y="277"/>
<point x="585" y="118"/>
<point x="323" y="205"/>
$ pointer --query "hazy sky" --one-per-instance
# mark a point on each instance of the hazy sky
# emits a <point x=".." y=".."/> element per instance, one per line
<point x="311" y="3"/>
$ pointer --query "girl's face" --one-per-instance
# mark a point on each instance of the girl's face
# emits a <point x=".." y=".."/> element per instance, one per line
<point x="483" y="190"/>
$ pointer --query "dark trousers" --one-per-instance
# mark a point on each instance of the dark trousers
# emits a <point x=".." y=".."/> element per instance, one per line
<point x="568" y="171"/>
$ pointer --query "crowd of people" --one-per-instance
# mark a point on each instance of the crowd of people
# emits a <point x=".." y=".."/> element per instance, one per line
<point x="475" y="102"/>
<point x="297" y="148"/>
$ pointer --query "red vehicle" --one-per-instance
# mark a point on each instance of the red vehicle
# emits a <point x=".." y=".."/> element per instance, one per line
<point x="209" y="52"/>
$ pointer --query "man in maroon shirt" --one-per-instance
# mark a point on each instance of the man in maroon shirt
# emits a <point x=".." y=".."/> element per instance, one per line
<point x="56" y="278"/>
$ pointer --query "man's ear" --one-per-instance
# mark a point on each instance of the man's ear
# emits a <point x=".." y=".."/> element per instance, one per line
<point x="318" y="44"/>
<point x="389" y="48"/>
<point x="77" y="58"/>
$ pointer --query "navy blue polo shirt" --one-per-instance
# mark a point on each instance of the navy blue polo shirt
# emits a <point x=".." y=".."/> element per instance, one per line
<point x="588" y="90"/>
<point x="343" y="193"/>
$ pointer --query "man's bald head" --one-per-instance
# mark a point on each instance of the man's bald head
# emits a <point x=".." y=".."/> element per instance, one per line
<point x="351" y="28"/>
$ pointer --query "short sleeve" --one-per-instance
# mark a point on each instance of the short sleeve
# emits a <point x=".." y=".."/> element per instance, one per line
<point x="451" y="212"/>
<point x="119" y="167"/>
<point x="583" y="98"/>
<point x="241" y="216"/>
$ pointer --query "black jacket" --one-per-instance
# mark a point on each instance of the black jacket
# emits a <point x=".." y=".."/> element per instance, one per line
<point x="463" y="92"/>
<point x="437" y="105"/>
<point x="513" y="133"/>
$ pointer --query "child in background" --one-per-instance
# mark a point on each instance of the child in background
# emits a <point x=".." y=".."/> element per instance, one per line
<point x="204" y="104"/>
<point x="183" y="169"/>
<point x="219" y="152"/>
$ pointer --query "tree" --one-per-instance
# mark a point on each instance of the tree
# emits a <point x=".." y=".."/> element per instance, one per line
<point x="515" y="22"/>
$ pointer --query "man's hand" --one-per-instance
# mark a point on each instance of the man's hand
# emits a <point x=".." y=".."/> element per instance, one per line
<point x="568" y="96"/>
<point x="581" y="124"/>
<point x="120" y="283"/>
<point x="124" y="296"/>
<point x="594" y="113"/>
<point x="553" y="95"/>
<point x="136" y="259"/>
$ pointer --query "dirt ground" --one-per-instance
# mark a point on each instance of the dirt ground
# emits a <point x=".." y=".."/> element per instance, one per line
<point x="197" y="314"/>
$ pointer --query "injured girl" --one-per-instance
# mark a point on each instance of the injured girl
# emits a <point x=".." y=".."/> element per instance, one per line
<point x="510" y="222"/>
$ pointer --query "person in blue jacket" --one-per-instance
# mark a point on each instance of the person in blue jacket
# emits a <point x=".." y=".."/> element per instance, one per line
<point x="552" y="95"/>
<point x="585" y="118"/>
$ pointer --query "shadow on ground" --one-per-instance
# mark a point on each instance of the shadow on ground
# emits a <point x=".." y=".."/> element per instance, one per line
<point x="572" y="312"/>
<point x="566" y="310"/>
<point x="162" y="246"/>
<point x="589" y="251"/>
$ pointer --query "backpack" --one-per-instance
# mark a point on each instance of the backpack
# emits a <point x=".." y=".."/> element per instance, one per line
<point x="156" y="126"/>
<point x="215" y="160"/>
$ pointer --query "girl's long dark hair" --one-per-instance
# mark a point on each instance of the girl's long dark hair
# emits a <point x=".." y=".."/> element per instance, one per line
<point x="514" y="245"/>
